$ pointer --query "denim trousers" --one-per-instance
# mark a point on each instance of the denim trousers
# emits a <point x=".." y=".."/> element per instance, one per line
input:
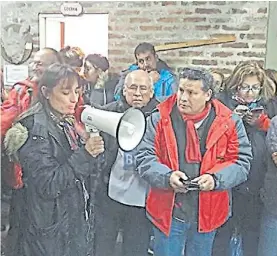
<point x="268" y="235"/>
<point x="183" y="237"/>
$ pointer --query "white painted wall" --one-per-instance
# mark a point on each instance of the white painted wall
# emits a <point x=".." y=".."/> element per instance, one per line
<point x="88" y="31"/>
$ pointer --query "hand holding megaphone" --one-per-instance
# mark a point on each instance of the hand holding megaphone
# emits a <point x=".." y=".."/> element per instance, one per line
<point x="95" y="145"/>
<point x="128" y="128"/>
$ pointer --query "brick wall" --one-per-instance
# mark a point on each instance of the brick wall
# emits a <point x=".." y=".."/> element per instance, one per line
<point x="158" y="22"/>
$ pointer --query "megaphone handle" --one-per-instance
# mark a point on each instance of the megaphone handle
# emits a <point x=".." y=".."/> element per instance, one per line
<point x="94" y="134"/>
<point x="93" y="131"/>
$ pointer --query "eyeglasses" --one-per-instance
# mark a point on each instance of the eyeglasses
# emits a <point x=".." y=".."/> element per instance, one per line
<point x="247" y="88"/>
<point x="134" y="88"/>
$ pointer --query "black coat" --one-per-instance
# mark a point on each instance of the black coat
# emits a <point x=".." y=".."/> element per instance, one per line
<point x="49" y="212"/>
<point x="257" y="138"/>
<point x="100" y="96"/>
<point x="269" y="190"/>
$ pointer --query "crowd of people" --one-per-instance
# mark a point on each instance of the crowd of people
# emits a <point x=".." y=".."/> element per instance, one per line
<point x="204" y="174"/>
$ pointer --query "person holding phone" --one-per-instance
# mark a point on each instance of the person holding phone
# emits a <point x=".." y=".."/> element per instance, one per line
<point x="248" y="90"/>
<point x="192" y="138"/>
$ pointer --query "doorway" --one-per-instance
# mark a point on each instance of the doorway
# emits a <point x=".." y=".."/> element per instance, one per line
<point x="88" y="31"/>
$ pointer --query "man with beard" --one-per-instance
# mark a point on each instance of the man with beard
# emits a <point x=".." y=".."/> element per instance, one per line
<point x="147" y="59"/>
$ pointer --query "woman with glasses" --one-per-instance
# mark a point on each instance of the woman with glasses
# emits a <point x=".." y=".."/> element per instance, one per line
<point x="248" y="90"/>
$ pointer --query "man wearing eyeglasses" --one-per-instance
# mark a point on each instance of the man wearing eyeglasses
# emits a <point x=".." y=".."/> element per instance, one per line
<point x="194" y="151"/>
<point x="120" y="198"/>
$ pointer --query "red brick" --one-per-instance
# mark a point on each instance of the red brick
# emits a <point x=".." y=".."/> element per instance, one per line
<point x="117" y="52"/>
<point x="221" y="35"/>
<point x="236" y="45"/>
<point x="167" y="20"/>
<point x="222" y="54"/>
<point x="170" y="28"/>
<point x="237" y="11"/>
<point x="126" y="12"/>
<point x="256" y="36"/>
<point x="219" y="20"/>
<point x="204" y="62"/>
<point x="150" y="28"/>
<point x="207" y="11"/>
<point x="217" y="2"/>
<point x="259" y="46"/>
<point x="140" y="20"/>
<point x="252" y="54"/>
<point x="236" y="28"/>
<point x="199" y="2"/>
<point x="123" y="60"/>
<point x="166" y="3"/>
<point x="205" y="27"/>
<point x="190" y="53"/>
<point x="262" y="10"/>
<point x="118" y="36"/>
<point x="226" y="71"/>
<point x="173" y="12"/>
<point x="194" y="19"/>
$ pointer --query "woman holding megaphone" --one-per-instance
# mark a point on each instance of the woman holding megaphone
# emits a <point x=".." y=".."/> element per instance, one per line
<point x="51" y="214"/>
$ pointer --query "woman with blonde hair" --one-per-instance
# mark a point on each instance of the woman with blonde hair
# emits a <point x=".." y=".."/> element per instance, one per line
<point x="248" y="90"/>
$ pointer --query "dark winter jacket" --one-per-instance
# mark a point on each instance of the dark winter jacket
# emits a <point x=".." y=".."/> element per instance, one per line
<point x="52" y="213"/>
<point x="101" y="96"/>
<point x="257" y="138"/>
<point x="269" y="190"/>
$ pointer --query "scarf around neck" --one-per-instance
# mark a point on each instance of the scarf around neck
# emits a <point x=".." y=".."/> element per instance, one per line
<point x="192" y="151"/>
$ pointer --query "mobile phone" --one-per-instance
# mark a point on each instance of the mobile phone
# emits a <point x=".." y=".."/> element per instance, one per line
<point x="190" y="185"/>
<point x="258" y="110"/>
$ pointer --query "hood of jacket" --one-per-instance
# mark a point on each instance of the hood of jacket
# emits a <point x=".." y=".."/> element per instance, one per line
<point x="15" y="138"/>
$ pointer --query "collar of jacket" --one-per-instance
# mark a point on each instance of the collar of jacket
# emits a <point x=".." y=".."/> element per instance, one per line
<point x="151" y="105"/>
<point x="166" y="107"/>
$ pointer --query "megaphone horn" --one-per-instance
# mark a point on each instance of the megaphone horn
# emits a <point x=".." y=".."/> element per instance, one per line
<point x="128" y="127"/>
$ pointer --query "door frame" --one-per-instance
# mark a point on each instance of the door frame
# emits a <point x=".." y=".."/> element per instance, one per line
<point x="271" y="43"/>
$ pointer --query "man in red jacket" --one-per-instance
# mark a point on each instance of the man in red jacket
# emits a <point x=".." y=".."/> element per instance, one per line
<point x="194" y="151"/>
<point x="20" y="95"/>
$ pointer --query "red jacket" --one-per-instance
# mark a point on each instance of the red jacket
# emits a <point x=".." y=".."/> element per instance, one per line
<point x="228" y="155"/>
<point x="18" y="101"/>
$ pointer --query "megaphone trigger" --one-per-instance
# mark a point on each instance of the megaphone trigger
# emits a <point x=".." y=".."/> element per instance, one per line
<point x="93" y="131"/>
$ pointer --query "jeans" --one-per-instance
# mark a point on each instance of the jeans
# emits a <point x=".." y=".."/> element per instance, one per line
<point x="268" y="235"/>
<point x="183" y="236"/>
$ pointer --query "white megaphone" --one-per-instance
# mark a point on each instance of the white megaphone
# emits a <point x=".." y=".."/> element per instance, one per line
<point x="128" y="127"/>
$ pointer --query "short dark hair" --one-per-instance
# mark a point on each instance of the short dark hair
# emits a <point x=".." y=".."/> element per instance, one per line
<point x="198" y="74"/>
<point x="145" y="47"/>
<point x="54" y="53"/>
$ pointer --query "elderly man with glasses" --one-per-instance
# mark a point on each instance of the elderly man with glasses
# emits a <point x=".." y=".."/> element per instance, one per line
<point x="121" y="194"/>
